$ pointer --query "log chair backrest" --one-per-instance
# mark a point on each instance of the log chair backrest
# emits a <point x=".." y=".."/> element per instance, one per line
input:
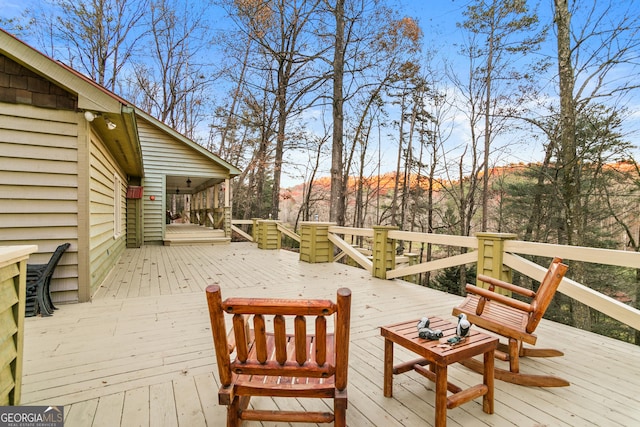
<point x="546" y="291"/>
<point x="317" y="360"/>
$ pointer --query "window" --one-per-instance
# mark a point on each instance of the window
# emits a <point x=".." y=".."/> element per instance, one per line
<point x="117" y="206"/>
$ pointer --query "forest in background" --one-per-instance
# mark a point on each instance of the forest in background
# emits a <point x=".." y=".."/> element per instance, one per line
<point x="311" y="88"/>
<point x="514" y="188"/>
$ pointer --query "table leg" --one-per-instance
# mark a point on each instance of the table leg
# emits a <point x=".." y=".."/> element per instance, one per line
<point x="388" y="368"/>
<point x="441" y="395"/>
<point x="488" y="379"/>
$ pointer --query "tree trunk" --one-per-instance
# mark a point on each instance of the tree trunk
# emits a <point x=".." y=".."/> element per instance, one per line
<point x="570" y="168"/>
<point x="231" y="118"/>
<point x="396" y="184"/>
<point x="281" y="105"/>
<point x="337" y="202"/>
<point x="487" y="137"/>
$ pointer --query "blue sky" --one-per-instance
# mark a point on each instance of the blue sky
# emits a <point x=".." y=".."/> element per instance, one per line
<point x="438" y="20"/>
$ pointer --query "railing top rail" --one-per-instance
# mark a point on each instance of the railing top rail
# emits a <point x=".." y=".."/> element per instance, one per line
<point x="439" y="239"/>
<point x="242" y="221"/>
<point x="577" y="253"/>
<point x="351" y="231"/>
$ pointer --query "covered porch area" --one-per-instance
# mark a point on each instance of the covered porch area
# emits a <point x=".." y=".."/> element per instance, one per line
<point x="197" y="211"/>
<point x="141" y="352"/>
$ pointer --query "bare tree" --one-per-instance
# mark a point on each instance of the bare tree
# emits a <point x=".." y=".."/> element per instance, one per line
<point x="506" y="32"/>
<point x="589" y="55"/>
<point x="284" y="38"/>
<point x="380" y="60"/>
<point x="97" y="37"/>
<point x="172" y="85"/>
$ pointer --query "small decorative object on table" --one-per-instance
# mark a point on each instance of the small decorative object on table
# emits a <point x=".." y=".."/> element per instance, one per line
<point x="462" y="330"/>
<point x="425" y="332"/>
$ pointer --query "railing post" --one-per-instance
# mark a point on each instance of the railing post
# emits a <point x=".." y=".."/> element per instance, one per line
<point x="269" y="235"/>
<point x="255" y="233"/>
<point x="226" y="225"/>
<point x="413" y="260"/>
<point x="384" y="251"/>
<point x="491" y="256"/>
<point x="315" y="246"/>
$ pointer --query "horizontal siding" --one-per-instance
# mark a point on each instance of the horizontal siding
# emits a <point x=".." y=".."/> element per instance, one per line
<point x="35" y="152"/>
<point x="36" y="235"/>
<point x="42" y="166"/>
<point x="15" y="122"/>
<point x="39" y="179"/>
<point x="104" y="248"/>
<point x="39" y="187"/>
<point x="36" y="219"/>
<point x="23" y="192"/>
<point x="42" y="206"/>
<point x="163" y="155"/>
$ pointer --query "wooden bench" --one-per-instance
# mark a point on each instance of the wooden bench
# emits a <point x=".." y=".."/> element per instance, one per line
<point x="279" y="364"/>
<point x="516" y="320"/>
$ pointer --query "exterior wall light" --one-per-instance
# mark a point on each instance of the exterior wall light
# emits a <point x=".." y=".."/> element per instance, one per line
<point x="110" y="124"/>
<point x="89" y="116"/>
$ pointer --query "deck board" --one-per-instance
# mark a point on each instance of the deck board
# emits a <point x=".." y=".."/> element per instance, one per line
<point x="141" y="352"/>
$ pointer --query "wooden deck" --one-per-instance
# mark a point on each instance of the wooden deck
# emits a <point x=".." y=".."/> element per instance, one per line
<point x="141" y="353"/>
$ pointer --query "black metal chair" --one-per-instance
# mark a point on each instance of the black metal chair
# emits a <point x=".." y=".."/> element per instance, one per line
<point x="38" y="298"/>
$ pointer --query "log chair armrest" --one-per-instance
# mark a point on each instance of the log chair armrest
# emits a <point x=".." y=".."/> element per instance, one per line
<point x="506" y="285"/>
<point x="493" y="296"/>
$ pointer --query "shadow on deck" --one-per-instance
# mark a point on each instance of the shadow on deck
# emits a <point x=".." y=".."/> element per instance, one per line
<point x="141" y="353"/>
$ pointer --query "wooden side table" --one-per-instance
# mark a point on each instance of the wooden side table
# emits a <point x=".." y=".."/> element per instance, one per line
<point x="438" y="355"/>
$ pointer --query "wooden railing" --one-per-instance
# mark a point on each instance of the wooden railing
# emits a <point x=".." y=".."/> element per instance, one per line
<point x="495" y="254"/>
<point x="217" y="218"/>
<point x="260" y="227"/>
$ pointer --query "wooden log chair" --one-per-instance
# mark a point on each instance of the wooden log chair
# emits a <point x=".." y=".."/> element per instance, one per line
<point x="278" y="364"/>
<point x="516" y="320"/>
<point x="38" y="294"/>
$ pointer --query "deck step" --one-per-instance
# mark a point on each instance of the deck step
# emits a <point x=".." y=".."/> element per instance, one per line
<point x="181" y="240"/>
<point x="192" y="234"/>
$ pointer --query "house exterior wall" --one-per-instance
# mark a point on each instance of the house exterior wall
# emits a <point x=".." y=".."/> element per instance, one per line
<point x="163" y="155"/>
<point x="39" y="187"/>
<point x="42" y="196"/>
<point x="107" y="208"/>
<point x="45" y="201"/>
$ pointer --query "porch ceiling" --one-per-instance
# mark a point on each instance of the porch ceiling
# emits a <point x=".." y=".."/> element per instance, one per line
<point x="198" y="183"/>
